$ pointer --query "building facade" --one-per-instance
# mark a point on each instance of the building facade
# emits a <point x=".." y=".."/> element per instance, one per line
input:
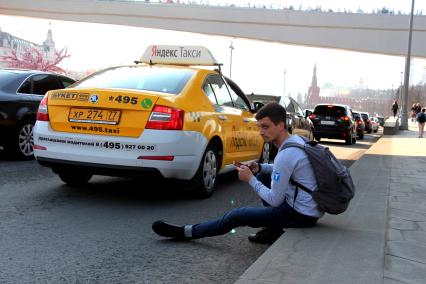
<point x="9" y="42"/>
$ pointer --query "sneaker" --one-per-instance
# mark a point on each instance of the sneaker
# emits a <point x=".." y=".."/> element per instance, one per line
<point x="266" y="235"/>
<point x="168" y="230"/>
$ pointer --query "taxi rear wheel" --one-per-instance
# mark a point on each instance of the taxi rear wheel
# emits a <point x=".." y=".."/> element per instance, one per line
<point x="75" y="179"/>
<point x="204" y="180"/>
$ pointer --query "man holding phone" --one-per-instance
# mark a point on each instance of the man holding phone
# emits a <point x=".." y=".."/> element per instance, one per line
<point x="284" y="208"/>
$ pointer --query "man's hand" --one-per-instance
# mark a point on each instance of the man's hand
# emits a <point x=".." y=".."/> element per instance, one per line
<point x="244" y="173"/>
<point x="254" y="167"/>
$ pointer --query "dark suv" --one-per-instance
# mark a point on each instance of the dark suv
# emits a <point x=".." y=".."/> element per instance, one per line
<point x="360" y="125"/>
<point x="366" y="117"/>
<point x="20" y="94"/>
<point x="334" y="121"/>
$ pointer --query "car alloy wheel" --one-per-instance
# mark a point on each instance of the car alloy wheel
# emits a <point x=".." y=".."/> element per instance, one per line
<point x="209" y="170"/>
<point x="265" y="153"/>
<point x="204" y="181"/>
<point x="25" y="139"/>
<point x="20" y="146"/>
<point x="311" y="135"/>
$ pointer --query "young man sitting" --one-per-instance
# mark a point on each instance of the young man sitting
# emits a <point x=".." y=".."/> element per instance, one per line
<point x="283" y="209"/>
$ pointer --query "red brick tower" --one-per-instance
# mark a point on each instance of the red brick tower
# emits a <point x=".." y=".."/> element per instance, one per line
<point x="313" y="91"/>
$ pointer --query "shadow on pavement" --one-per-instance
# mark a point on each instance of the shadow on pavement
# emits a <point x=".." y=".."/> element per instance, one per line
<point x="138" y="189"/>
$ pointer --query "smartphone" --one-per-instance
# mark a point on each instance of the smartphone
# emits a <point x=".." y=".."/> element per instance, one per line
<point x="238" y="164"/>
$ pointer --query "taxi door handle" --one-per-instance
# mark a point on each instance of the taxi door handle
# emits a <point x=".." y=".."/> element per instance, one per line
<point x="222" y="117"/>
<point x="245" y="119"/>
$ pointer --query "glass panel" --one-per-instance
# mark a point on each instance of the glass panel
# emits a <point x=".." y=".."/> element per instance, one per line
<point x="297" y="108"/>
<point x="146" y="78"/>
<point x="44" y="83"/>
<point x="209" y="93"/>
<point x="220" y="90"/>
<point x="286" y="103"/>
<point x="335" y="111"/>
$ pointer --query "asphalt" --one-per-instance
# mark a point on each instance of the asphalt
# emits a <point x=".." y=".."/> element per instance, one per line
<point x="381" y="238"/>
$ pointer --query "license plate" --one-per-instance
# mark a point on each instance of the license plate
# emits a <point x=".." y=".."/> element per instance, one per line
<point x="100" y="116"/>
<point x="325" y="122"/>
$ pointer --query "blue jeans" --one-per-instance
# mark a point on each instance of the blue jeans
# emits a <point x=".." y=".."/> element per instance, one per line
<point x="283" y="216"/>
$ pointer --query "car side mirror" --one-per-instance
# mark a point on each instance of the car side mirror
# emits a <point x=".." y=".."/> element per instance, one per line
<point x="257" y="106"/>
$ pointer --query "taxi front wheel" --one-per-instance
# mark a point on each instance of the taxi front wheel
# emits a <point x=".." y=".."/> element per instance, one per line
<point x="204" y="180"/>
<point x="75" y="179"/>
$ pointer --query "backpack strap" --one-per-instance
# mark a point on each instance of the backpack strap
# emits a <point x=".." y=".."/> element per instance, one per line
<point x="301" y="186"/>
<point x="292" y="181"/>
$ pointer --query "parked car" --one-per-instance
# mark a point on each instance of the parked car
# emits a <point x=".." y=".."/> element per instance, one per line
<point x="380" y="120"/>
<point x="334" y="121"/>
<point x="308" y="112"/>
<point x="374" y="125"/>
<point x="366" y="117"/>
<point x="297" y="123"/>
<point x="360" y="125"/>
<point x="20" y="94"/>
<point x="161" y="116"/>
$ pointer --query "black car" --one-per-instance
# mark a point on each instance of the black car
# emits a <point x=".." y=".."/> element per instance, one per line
<point x="381" y="120"/>
<point x="334" y="121"/>
<point x="360" y="125"/>
<point x="20" y="94"/>
<point x="297" y="123"/>
<point x="366" y="117"/>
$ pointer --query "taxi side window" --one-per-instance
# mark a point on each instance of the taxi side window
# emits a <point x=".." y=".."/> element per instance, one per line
<point x="220" y="90"/>
<point x="238" y="102"/>
<point x="209" y="92"/>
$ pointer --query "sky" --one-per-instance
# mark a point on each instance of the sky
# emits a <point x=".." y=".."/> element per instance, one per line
<point x="275" y="68"/>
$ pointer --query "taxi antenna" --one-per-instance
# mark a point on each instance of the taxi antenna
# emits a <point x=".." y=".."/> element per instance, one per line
<point x="219" y="69"/>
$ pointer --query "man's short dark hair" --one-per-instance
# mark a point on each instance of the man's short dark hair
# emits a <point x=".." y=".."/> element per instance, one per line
<point x="274" y="111"/>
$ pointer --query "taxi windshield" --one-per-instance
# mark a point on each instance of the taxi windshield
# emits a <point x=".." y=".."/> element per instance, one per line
<point x="164" y="80"/>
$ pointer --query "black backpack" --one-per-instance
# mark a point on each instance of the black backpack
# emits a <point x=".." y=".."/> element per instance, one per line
<point x="421" y="117"/>
<point x="335" y="185"/>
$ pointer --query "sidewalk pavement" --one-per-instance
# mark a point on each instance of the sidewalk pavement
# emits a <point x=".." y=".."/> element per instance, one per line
<point x="381" y="238"/>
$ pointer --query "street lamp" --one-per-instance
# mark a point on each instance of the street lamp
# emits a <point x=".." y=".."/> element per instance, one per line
<point x="404" y="114"/>
<point x="231" y="47"/>
<point x="284" y="82"/>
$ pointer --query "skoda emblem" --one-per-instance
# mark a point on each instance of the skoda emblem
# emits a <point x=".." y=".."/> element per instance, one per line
<point x="94" y="98"/>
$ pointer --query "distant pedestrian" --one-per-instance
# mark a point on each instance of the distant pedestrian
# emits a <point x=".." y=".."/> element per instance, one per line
<point x="418" y="108"/>
<point x="421" y="119"/>
<point x="413" y="116"/>
<point x="395" y="107"/>
<point x="413" y="113"/>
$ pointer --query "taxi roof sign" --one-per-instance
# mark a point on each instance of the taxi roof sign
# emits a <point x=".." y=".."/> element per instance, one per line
<point x="178" y="55"/>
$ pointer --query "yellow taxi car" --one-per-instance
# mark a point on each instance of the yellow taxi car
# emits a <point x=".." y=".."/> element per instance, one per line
<point x="165" y="115"/>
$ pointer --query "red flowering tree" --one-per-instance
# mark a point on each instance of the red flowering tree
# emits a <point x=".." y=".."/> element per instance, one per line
<point x="33" y="59"/>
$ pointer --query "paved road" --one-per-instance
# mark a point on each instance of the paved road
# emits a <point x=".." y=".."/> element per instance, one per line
<point x="52" y="233"/>
<point x="349" y="154"/>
